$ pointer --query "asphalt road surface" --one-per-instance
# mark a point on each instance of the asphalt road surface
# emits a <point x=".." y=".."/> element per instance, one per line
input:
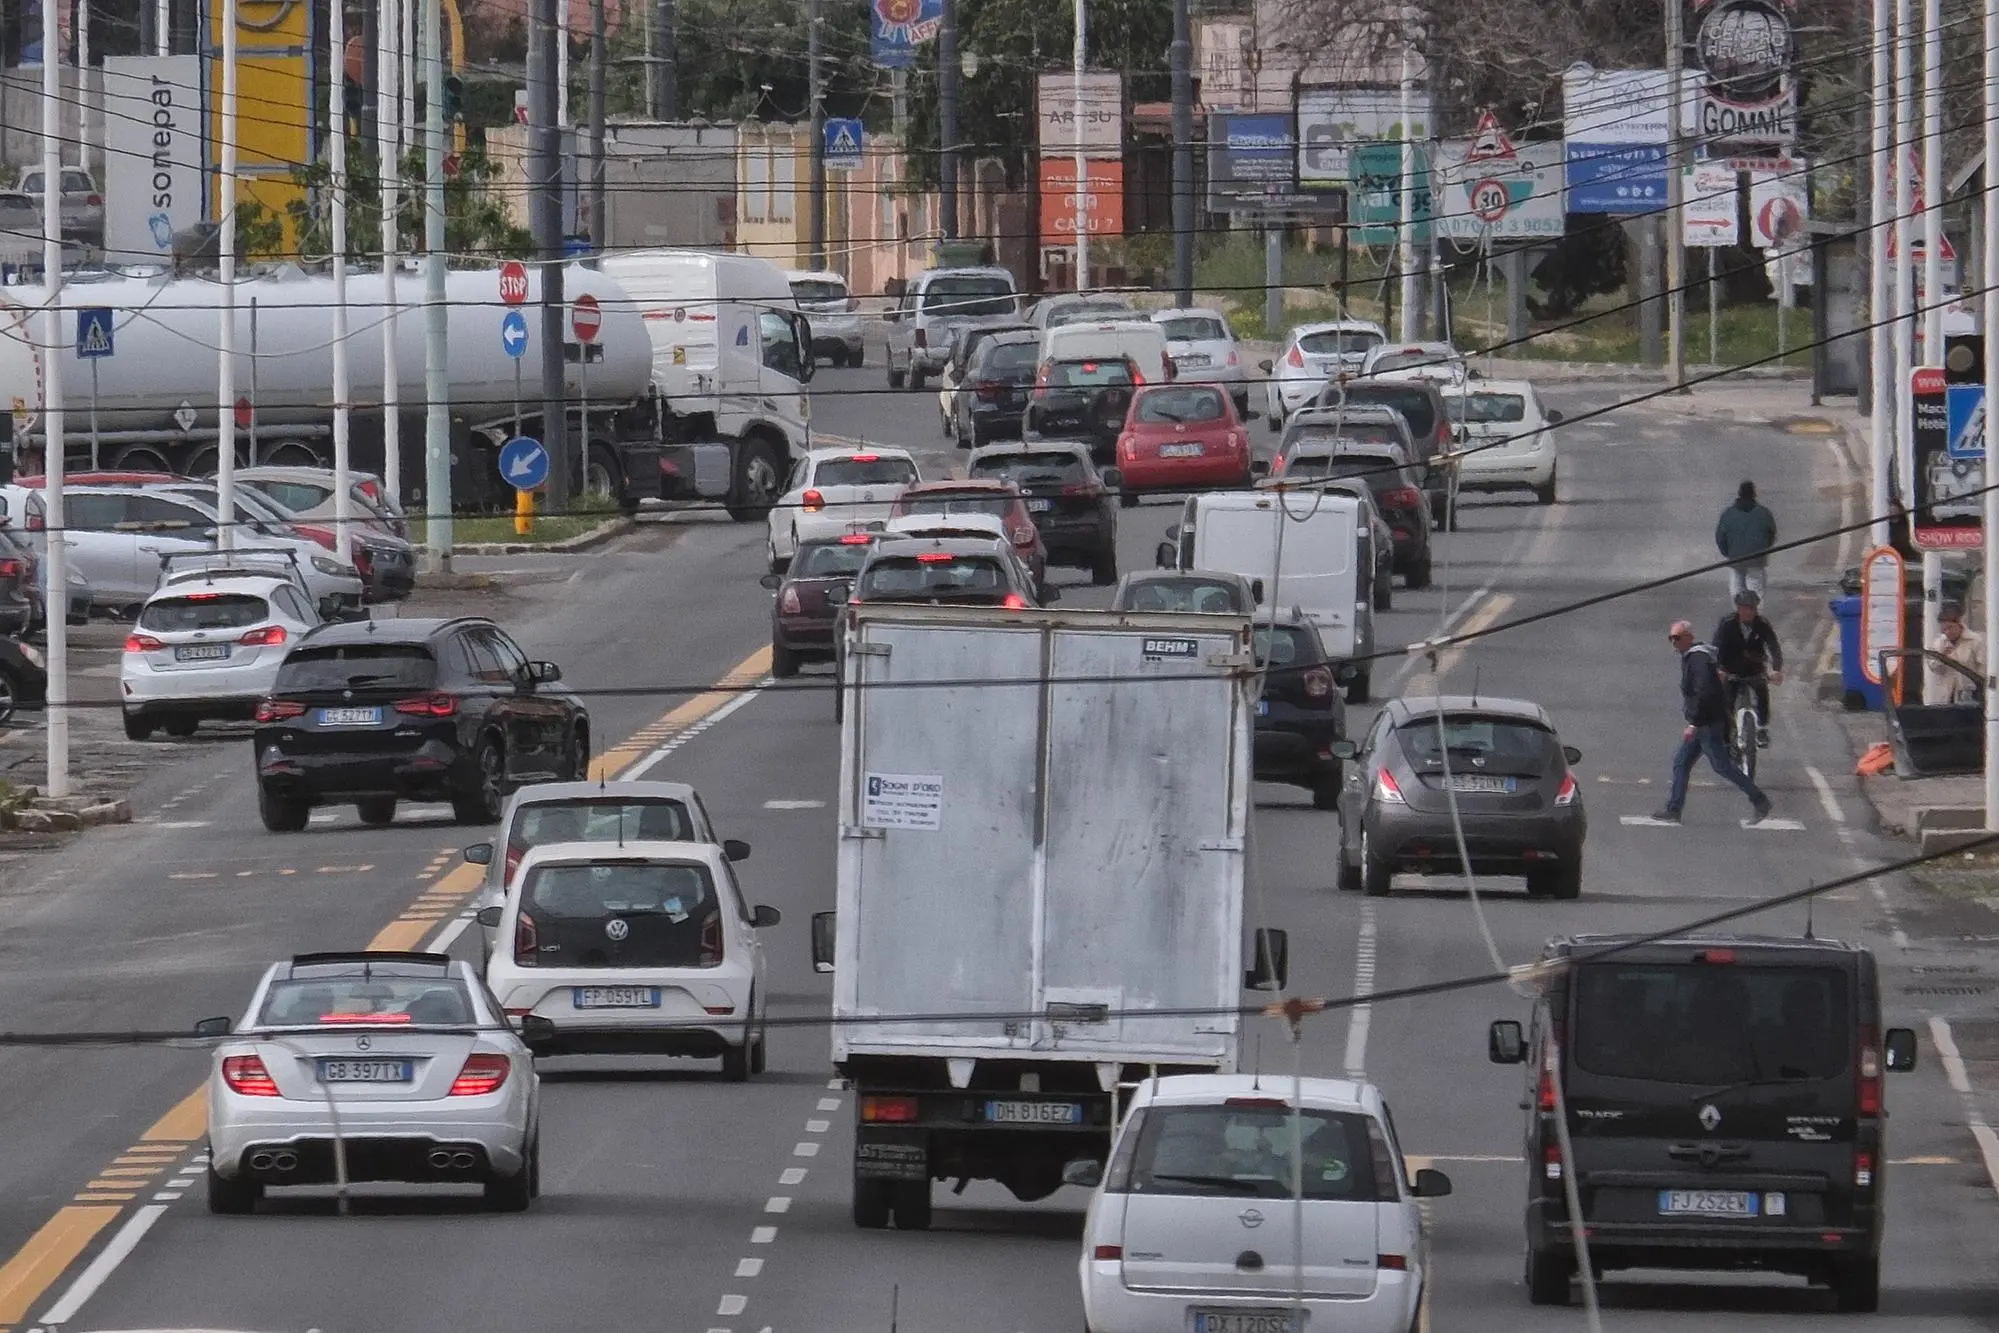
<point x="675" y="1201"/>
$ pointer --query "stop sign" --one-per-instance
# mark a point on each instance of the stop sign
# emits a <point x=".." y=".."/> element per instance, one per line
<point x="585" y="318"/>
<point x="513" y="282"/>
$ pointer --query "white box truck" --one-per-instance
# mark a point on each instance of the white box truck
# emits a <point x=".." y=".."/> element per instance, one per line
<point x="1042" y="830"/>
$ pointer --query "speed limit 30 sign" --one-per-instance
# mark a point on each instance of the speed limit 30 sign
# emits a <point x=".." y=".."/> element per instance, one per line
<point x="1489" y="199"/>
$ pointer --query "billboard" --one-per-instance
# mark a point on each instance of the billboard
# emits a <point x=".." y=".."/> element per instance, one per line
<point x="1250" y="155"/>
<point x="1102" y="131"/>
<point x="1489" y="188"/>
<point x="1332" y="120"/>
<point x="1615" y="122"/>
<point x="898" y="27"/>
<point x="1103" y="208"/>
<point x="1745" y="85"/>
<point x="1712" y="198"/>
<point x="1947" y="453"/>
<point x="152" y="154"/>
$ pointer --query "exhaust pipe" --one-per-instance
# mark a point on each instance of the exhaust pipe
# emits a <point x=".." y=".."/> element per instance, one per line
<point x="285" y="1161"/>
<point x="464" y="1161"/>
<point x="440" y="1160"/>
<point x="260" y="1161"/>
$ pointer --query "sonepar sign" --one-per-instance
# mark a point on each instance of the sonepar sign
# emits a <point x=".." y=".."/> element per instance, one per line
<point x="152" y="154"/>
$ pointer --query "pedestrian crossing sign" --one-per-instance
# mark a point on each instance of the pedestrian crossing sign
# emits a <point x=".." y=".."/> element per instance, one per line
<point x="93" y="332"/>
<point x="844" y="139"/>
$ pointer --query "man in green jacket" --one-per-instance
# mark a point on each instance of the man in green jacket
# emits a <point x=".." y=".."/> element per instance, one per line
<point x="1744" y="537"/>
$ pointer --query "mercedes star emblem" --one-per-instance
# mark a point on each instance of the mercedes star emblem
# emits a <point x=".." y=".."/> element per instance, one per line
<point x="616" y="928"/>
<point x="1250" y="1218"/>
<point x="1710" y="1117"/>
<point x="363" y="1044"/>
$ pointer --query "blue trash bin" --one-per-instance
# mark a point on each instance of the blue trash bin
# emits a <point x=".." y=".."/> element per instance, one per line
<point x="1859" y="692"/>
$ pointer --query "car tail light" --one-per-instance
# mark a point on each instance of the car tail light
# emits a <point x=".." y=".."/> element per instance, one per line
<point x="429" y="705"/>
<point x="277" y="710"/>
<point x="788" y="603"/>
<point x="484" y="1072"/>
<point x="1545" y="1098"/>
<point x="888" y="1110"/>
<point x="1715" y="956"/>
<point x="1318" y="682"/>
<point x="527" y="940"/>
<point x="1567" y="794"/>
<point x="1108" y="1253"/>
<point x="514" y="855"/>
<point x="1863" y="1170"/>
<point x="268" y="637"/>
<point x="1041" y="374"/>
<point x="36" y="522"/>
<point x="246" y="1076"/>
<point x="864" y="458"/>
<point x="1551" y="1162"/>
<point x="934" y="558"/>
<point x="1295" y="357"/>
<point x="141" y="643"/>
<point x="1385" y="789"/>
<point x="1089" y="367"/>
<point x="990" y="388"/>
<point x="1014" y="602"/>
<point x="1403" y="497"/>
<point x="813" y="502"/>
<point x="1128" y="445"/>
<point x="1867" y="1090"/>
<point x="1082" y="488"/>
<point x="1396" y="1262"/>
<point x="1260" y="1103"/>
<point x="1022" y="536"/>
<point x="364" y="561"/>
<point x="856" y="539"/>
<point x="94" y="201"/>
<point x="1138" y="376"/>
<point x="711" y="942"/>
<point x="1277" y="465"/>
<point x="1234" y="360"/>
<point x="316" y="534"/>
<point x="1172" y="373"/>
<point x="10" y="569"/>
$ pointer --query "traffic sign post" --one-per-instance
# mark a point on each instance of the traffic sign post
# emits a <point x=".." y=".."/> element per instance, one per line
<point x="586" y="320"/>
<point x="94" y="342"/>
<point x="524" y="466"/>
<point x="844" y="143"/>
<point x="514" y="341"/>
<point x="514" y="282"/>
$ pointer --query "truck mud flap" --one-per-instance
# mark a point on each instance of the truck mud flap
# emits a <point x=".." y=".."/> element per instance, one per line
<point x="892" y="1155"/>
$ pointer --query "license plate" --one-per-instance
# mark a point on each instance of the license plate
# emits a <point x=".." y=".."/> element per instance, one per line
<point x="365" y="1071"/>
<point x="202" y="652"/>
<point x="1482" y="782"/>
<point x="617" y="997"/>
<point x="1191" y="360"/>
<point x="1263" y="708"/>
<point x="1034" y="1113"/>
<point x="1243" y="1321"/>
<point x="349" y="717"/>
<point x="1708" y="1203"/>
<point x="1039" y="506"/>
<point x="1179" y="451"/>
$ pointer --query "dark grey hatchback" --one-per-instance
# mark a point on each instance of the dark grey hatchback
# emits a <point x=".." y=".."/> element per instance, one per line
<point x="1496" y="762"/>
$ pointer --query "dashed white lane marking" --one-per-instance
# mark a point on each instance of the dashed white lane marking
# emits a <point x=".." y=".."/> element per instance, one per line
<point x="646" y="765"/>
<point x="749" y="1267"/>
<point x="1959" y="1079"/>
<point x="817" y="1126"/>
<point x="777" y="1203"/>
<point x="1827" y="800"/>
<point x="791" y="1175"/>
<point x="804" y="1150"/>
<point x="195" y="874"/>
<point x="1361" y="1015"/>
<point x="174" y="823"/>
<point x="762" y="1235"/>
<point x="1775" y="826"/>
<point x="829" y="1103"/>
<point x="732" y="1305"/>
<point x="794" y="805"/>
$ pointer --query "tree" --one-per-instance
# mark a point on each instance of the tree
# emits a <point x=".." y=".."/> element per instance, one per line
<point x="476" y="227"/>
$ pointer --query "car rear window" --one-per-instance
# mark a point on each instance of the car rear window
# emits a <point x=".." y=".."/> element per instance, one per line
<point x="1339" y="342"/>
<point x="1009" y="356"/>
<point x="1380" y="474"/>
<point x="1413" y="401"/>
<point x="204" y="610"/>
<point x="1486" y="407"/>
<point x="821" y="560"/>
<point x="894" y="577"/>
<point x="624" y="914"/>
<point x="372" y="665"/>
<point x="1709" y="1024"/>
<point x="1283" y="646"/>
<point x="76" y="182"/>
<point x="1490" y="744"/>
<point x="1194" y="328"/>
<point x="998" y="504"/>
<point x="324" y="1001"/>
<point x="1357" y="432"/>
<point x="968" y="295"/>
<point x="298" y="496"/>
<point x="866" y="471"/>
<point x="818" y="289"/>
<point x="1024" y="468"/>
<point x="1083" y="312"/>
<point x="1090" y="374"/>
<point x="1253" y="1152"/>
<point x="1185" y="595"/>
<point x="1180" y="405"/>
<point x="1413" y="360"/>
<point x="600" y="819"/>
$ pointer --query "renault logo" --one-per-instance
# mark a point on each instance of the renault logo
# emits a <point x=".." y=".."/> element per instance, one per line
<point x="616" y="928"/>
<point x="1250" y="1218"/>
<point x="1710" y="1117"/>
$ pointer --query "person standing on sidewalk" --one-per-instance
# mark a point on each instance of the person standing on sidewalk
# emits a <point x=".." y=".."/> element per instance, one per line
<point x="1965" y="647"/>
<point x="1704" y="705"/>
<point x="1744" y="536"/>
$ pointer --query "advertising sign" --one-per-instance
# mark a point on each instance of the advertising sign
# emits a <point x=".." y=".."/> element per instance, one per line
<point x="1490" y="188"/>
<point x="1615" y="106"/>
<point x="152" y="154"/>
<point x="1710" y="190"/>
<point x="1222" y="49"/>
<point x="1249" y="153"/>
<point x="1616" y="178"/>
<point x="1948" y="448"/>
<point x="1779" y="207"/>
<point x="1881" y="611"/>
<point x="1745" y="92"/>
<point x="1103" y="210"/>
<point x="1377" y="192"/>
<point x="1102" y="131"/>
<point x="1331" y="121"/>
<point x="898" y="27"/>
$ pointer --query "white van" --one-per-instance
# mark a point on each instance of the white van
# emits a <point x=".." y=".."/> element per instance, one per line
<point x="1141" y="340"/>
<point x="1322" y="573"/>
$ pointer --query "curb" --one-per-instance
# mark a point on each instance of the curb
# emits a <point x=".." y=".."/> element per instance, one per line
<point x="584" y="541"/>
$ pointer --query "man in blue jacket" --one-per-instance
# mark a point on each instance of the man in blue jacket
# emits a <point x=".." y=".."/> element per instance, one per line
<point x="1704" y="705"/>
<point x="1744" y="536"/>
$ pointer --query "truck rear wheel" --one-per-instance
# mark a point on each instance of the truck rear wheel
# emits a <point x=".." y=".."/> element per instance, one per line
<point x="758" y="477"/>
<point x="603" y="479"/>
<point x="871" y="1203"/>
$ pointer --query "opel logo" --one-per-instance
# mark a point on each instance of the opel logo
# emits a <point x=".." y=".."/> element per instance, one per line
<point x="617" y="928"/>
<point x="363" y="1044"/>
<point x="1710" y="1117"/>
<point x="1250" y="1218"/>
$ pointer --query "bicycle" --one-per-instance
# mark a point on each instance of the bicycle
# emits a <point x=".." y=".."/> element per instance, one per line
<point x="1743" y="723"/>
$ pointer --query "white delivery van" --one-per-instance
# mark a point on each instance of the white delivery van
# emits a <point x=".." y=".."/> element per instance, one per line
<point x="1320" y="568"/>
<point x="1143" y="341"/>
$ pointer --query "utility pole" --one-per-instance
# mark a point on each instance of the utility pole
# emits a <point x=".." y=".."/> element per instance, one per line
<point x="55" y="592"/>
<point x="1933" y="263"/>
<point x="1182" y="60"/>
<point x="598" y="222"/>
<point x="1405" y="254"/>
<point x="666" y="61"/>
<point x="225" y="273"/>
<point x="1905" y="296"/>
<point x="343" y="412"/>
<point x="1880" y="350"/>
<point x="947" y="117"/>
<point x="1082" y="158"/>
<point x="1989" y="265"/>
<point x="83" y="85"/>
<point x="1677" y="160"/>
<point x="815" y="83"/>
<point x="545" y="39"/>
<point x="437" y="408"/>
<point x="388" y="155"/>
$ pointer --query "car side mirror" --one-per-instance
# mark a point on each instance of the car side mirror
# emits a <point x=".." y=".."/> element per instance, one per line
<point x="489" y="917"/>
<point x="479" y="854"/>
<point x="1256" y="591"/>
<point x="213" y="1027"/>
<point x="1555" y="418"/>
<point x="1087" y="1172"/>
<point x="1343" y="748"/>
<point x="1505" y="1043"/>
<point x="1272" y="968"/>
<point x="822" y="941"/>
<point x="1162" y="558"/>
<point x="1898" y="1050"/>
<point x="761" y="916"/>
<point x="1572" y="754"/>
<point x="537" y="1030"/>
<point x="1113" y="479"/>
<point x="771" y="581"/>
<point x="545" y="673"/>
<point x="1266" y="366"/>
<point x="1430" y="1184"/>
<point x="735" y="849"/>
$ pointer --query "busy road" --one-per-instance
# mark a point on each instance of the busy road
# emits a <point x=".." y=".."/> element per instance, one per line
<point x="673" y="1199"/>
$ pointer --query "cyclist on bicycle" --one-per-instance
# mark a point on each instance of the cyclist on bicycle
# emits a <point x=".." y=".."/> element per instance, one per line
<point x="1746" y="650"/>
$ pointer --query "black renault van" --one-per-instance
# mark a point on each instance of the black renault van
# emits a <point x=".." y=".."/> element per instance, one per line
<point x="1724" y="1103"/>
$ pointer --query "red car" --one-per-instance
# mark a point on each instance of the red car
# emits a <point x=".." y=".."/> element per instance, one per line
<point x="998" y="498"/>
<point x="1181" y="437"/>
<point x="802" y="616"/>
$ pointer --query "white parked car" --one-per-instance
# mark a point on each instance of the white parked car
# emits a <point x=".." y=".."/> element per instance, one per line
<point x="1194" y="1227"/>
<point x="403" y="1055"/>
<point x="1508" y="445"/>
<point x="207" y="646"/>
<point x="832" y="311"/>
<point x="544" y="812"/>
<point x="1440" y="363"/>
<point x="1313" y="354"/>
<point x="836" y="491"/>
<point x="646" y="948"/>
<point x="1203" y="350"/>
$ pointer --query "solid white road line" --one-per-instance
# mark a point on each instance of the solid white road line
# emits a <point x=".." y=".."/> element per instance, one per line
<point x="1827" y="800"/>
<point x="90" y="1279"/>
<point x="1360" y="1017"/>
<point x="645" y="765"/>
<point x="443" y="940"/>
<point x="1959" y="1079"/>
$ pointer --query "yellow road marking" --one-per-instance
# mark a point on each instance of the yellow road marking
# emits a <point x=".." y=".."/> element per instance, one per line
<point x="187" y="1122"/>
<point x="1495" y="607"/>
<point x="48" y="1252"/>
<point x="620" y="757"/>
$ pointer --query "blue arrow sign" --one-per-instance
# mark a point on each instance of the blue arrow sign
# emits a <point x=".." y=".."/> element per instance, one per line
<point x="93" y="332"/>
<point x="514" y="334"/>
<point x="844" y="139"/>
<point x="523" y="463"/>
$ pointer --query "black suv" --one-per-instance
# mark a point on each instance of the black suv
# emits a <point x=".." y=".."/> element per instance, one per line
<point x="1431" y="430"/>
<point x="421" y="710"/>
<point x="1072" y="504"/>
<point x="1301" y="713"/>
<point x="1086" y="396"/>
<point x="1725" y="1108"/>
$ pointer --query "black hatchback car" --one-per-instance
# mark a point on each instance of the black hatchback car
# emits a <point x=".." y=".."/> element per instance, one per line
<point x="1073" y="505"/>
<point x="1301" y="715"/>
<point x="1725" y="1108"/>
<point x="992" y="394"/>
<point x="377" y="711"/>
<point x="1085" y="396"/>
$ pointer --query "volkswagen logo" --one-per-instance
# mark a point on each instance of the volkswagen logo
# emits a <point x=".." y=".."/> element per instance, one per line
<point x="617" y="928"/>
<point x="1710" y="1117"/>
<point x="1250" y="1218"/>
<point x="363" y="1044"/>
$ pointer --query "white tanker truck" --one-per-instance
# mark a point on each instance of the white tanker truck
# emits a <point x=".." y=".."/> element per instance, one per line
<point x="693" y="390"/>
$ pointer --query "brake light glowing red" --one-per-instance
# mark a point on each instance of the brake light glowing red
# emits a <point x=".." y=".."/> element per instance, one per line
<point x="1867" y="1088"/>
<point x="1295" y="357"/>
<point x="1567" y="794"/>
<point x="864" y="458"/>
<point x="1089" y="367"/>
<point x="484" y="1072"/>
<point x="247" y="1077"/>
<point x="788" y="603"/>
<point x="527" y="942"/>
<point x="277" y="710"/>
<point x="10" y="569"/>
<point x="367" y="1020"/>
<point x="1108" y="1253"/>
<point x="889" y="1110"/>
<point x="813" y="501"/>
<point x="1715" y="956"/>
<point x="1402" y="497"/>
<point x="1386" y="790"/>
<point x="1014" y="602"/>
<point x="934" y="558"/>
<point x="268" y="637"/>
<point x="429" y="705"/>
<point x="856" y="539"/>
<point x="141" y="643"/>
